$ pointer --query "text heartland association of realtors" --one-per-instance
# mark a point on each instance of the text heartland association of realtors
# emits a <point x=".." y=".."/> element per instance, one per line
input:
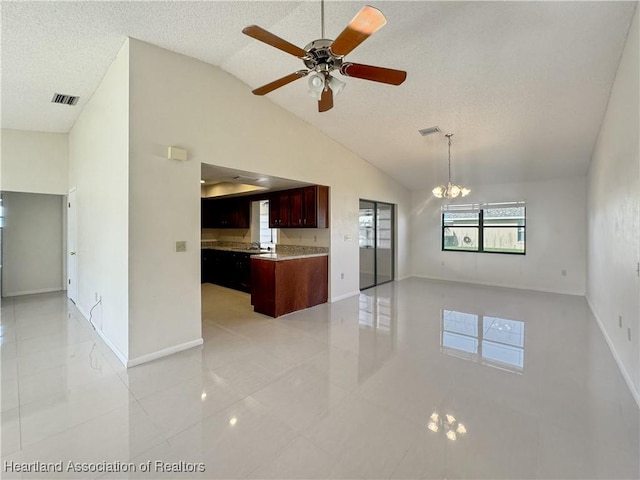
<point x="157" y="466"/>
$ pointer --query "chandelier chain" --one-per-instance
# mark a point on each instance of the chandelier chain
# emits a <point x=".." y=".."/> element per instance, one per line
<point x="450" y="190"/>
<point x="449" y="135"/>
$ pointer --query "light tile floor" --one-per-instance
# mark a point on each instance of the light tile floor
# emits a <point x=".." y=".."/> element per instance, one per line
<point x="414" y="379"/>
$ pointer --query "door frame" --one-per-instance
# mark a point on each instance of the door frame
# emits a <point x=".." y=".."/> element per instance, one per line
<point x="72" y="246"/>
<point x="375" y="242"/>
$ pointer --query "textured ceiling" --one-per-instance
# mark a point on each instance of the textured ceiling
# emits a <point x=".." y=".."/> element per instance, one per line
<point x="522" y="85"/>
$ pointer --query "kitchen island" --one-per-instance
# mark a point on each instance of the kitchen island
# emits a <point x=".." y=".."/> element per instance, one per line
<point x="285" y="282"/>
<point x="282" y="281"/>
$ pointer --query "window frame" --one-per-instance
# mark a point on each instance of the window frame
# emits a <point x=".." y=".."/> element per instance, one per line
<point x="481" y="228"/>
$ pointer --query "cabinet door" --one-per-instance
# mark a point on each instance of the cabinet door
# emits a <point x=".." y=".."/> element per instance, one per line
<point x="297" y="213"/>
<point x="242" y="213"/>
<point x="320" y="218"/>
<point x="279" y="210"/>
<point x="205" y="266"/>
<point x="310" y="195"/>
<point x="274" y="211"/>
<point x="285" y="209"/>
<point x="206" y="213"/>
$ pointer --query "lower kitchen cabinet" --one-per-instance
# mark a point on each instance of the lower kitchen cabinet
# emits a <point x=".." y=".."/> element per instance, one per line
<point x="284" y="286"/>
<point x="227" y="269"/>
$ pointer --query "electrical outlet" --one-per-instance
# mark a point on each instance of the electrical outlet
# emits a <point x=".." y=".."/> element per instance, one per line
<point x="620" y="321"/>
<point x="181" y="246"/>
<point x="629" y="333"/>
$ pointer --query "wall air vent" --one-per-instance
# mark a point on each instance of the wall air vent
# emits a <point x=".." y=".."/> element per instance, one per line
<point x="64" y="99"/>
<point x="428" y="131"/>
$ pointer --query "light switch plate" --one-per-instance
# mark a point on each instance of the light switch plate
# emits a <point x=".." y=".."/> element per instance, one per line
<point x="181" y="246"/>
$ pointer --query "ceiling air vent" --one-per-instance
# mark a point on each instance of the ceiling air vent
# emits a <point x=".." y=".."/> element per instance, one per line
<point x="428" y="131"/>
<point x="64" y="99"/>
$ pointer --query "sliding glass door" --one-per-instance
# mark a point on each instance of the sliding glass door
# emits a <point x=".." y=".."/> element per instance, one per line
<point x="376" y="243"/>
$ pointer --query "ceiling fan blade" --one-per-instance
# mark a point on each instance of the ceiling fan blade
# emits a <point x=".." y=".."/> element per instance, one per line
<point x="376" y="74"/>
<point x="367" y="21"/>
<point x="269" y="38"/>
<point x="281" y="82"/>
<point x="326" y="101"/>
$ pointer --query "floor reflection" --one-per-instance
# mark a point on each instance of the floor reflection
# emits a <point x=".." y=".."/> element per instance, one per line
<point x="377" y="321"/>
<point x="492" y="341"/>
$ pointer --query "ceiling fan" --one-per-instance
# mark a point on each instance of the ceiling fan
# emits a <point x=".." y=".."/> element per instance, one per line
<point x="323" y="56"/>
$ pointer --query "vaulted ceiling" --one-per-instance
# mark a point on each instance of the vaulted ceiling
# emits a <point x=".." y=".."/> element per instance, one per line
<point x="522" y="85"/>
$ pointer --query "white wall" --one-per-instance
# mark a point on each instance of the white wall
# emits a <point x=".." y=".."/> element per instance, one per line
<point x="98" y="168"/>
<point x="613" y="287"/>
<point x="176" y="100"/>
<point x="35" y="162"/>
<point x="32" y="250"/>
<point x="555" y="236"/>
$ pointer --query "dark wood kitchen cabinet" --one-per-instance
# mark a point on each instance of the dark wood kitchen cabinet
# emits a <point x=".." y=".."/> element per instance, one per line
<point x="279" y="209"/>
<point x="306" y="207"/>
<point x="283" y="286"/>
<point x="227" y="269"/>
<point x="225" y="212"/>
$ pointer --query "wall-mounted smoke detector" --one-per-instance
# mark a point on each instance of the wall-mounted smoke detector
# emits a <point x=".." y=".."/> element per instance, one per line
<point x="428" y="131"/>
<point x="64" y="99"/>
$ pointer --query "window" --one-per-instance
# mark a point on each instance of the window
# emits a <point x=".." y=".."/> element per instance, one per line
<point x="488" y="228"/>
<point x="267" y="235"/>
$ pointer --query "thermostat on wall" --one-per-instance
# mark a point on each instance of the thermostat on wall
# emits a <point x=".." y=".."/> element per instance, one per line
<point x="175" y="153"/>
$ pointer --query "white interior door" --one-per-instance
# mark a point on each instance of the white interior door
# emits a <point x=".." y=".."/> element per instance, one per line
<point x="72" y="246"/>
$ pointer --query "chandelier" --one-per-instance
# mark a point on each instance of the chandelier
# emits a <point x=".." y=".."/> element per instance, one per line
<point x="450" y="190"/>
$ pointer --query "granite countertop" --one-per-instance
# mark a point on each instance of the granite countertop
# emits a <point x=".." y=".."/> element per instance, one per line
<point x="276" y="256"/>
<point x="252" y="251"/>
<point x="282" y="252"/>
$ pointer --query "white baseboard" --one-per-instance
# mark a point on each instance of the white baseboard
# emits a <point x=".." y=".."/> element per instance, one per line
<point x="163" y="353"/>
<point x="623" y="370"/>
<point x="144" y="358"/>
<point x="500" y="285"/>
<point x="32" y="292"/>
<point x="342" y="297"/>
<point x="121" y="356"/>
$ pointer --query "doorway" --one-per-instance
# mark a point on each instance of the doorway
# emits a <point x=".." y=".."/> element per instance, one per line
<point x="72" y="241"/>
<point x="377" y="234"/>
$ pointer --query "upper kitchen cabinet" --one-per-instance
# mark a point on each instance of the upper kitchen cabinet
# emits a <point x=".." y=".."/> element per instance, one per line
<point x="225" y="212"/>
<point x="306" y="207"/>
<point x="279" y="209"/>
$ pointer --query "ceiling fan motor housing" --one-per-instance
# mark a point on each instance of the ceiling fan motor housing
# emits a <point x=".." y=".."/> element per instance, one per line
<point x="320" y="58"/>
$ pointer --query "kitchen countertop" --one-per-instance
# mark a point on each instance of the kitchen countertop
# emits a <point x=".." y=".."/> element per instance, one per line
<point x="252" y="251"/>
<point x="276" y="257"/>
<point x="282" y="252"/>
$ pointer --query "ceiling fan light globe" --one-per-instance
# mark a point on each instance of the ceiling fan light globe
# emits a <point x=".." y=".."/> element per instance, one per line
<point x="465" y="192"/>
<point x="336" y="85"/>
<point x="315" y="94"/>
<point x="316" y="82"/>
<point x="454" y="190"/>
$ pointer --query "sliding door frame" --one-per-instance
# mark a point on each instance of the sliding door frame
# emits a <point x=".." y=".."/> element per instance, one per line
<point x="392" y="239"/>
